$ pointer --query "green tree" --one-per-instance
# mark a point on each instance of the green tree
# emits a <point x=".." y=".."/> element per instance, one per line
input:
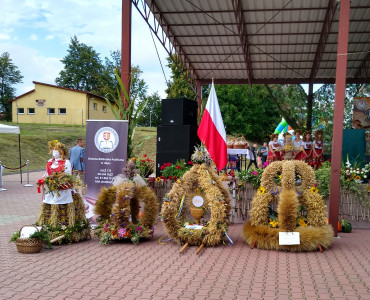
<point x="131" y="113"/>
<point x="178" y="86"/>
<point x="9" y="76"/>
<point x="151" y="114"/>
<point x="254" y="116"/>
<point x="291" y="102"/>
<point x="82" y="65"/>
<point x="323" y="108"/>
<point x="107" y="79"/>
<point x="108" y="84"/>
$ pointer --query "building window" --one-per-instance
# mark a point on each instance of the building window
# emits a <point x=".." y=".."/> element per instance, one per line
<point x="51" y="111"/>
<point x="62" y="111"/>
<point x="31" y="111"/>
<point x="20" y="111"/>
<point x="95" y="106"/>
<point x="104" y="108"/>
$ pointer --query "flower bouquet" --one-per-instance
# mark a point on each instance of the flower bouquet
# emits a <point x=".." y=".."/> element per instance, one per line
<point x="58" y="181"/>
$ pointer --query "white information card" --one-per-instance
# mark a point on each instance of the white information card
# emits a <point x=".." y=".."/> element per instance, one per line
<point x="289" y="238"/>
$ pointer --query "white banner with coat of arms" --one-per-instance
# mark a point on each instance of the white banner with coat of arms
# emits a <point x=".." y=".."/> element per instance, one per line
<point x="106" y="154"/>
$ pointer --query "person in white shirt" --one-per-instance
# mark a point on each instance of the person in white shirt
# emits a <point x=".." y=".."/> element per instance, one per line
<point x="318" y="150"/>
<point x="274" y="149"/>
<point x="297" y="145"/>
<point x="307" y="146"/>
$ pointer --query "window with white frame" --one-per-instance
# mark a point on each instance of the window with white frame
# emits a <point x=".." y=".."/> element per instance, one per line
<point x="31" y="111"/>
<point x="20" y="111"/>
<point x="62" y="111"/>
<point x="104" y="108"/>
<point x="51" y="111"/>
<point x="95" y="106"/>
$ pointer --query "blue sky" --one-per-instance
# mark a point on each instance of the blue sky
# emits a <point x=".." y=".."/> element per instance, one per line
<point x="37" y="34"/>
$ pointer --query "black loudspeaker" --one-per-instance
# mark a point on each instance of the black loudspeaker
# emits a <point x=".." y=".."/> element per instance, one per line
<point x="179" y="111"/>
<point x="170" y="157"/>
<point x="177" y="138"/>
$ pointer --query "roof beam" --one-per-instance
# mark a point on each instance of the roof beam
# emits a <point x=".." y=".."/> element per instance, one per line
<point x="243" y="34"/>
<point x="270" y="44"/>
<point x="282" y="81"/>
<point x="262" y="23"/>
<point x="223" y="11"/>
<point x="269" y="68"/>
<point x="330" y="12"/>
<point x="363" y="66"/>
<point x="264" y="34"/>
<point x="170" y="41"/>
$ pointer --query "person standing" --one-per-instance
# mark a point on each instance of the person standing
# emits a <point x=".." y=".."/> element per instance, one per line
<point x="317" y="150"/>
<point x="264" y="151"/>
<point x="252" y="159"/>
<point x="274" y="149"/>
<point x="307" y="146"/>
<point x="77" y="158"/>
<point x="298" y="146"/>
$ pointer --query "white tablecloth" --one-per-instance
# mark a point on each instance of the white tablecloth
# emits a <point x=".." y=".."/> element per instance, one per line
<point x="248" y="154"/>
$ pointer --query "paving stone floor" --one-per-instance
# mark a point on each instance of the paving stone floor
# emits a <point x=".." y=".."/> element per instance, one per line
<point x="151" y="270"/>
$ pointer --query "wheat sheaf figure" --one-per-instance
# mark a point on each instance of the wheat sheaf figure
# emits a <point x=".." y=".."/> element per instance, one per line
<point x="315" y="234"/>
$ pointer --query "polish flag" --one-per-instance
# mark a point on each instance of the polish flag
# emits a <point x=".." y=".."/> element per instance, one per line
<point x="211" y="131"/>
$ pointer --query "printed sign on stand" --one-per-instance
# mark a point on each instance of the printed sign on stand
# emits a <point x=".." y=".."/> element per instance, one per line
<point x="106" y="152"/>
<point x="289" y="238"/>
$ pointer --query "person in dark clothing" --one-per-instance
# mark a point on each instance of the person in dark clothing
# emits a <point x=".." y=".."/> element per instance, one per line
<point x="264" y="151"/>
<point x="253" y="158"/>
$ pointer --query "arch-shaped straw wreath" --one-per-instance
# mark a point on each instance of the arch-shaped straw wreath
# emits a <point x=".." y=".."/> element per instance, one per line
<point x="119" y="206"/>
<point x="316" y="234"/>
<point x="216" y="198"/>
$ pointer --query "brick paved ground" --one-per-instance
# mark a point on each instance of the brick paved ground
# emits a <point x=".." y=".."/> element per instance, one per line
<point x="153" y="271"/>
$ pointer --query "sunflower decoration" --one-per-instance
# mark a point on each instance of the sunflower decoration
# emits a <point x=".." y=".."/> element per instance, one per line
<point x="261" y="190"/>
<point x="314" y="189"/>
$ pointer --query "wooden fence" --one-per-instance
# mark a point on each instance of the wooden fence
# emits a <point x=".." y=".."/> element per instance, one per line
<point x="351" y="206"/>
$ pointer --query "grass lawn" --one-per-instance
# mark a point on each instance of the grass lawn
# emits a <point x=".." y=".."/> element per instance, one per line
<point x="35" y="137"/>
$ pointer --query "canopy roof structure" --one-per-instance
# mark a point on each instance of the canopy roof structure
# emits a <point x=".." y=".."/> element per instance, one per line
<point x="264" y="42"/>
<point x="260" y="41"/>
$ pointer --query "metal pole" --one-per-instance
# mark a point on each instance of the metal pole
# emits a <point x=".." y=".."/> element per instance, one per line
<point x="126" y="47"/>
<point x="82" y="117"/>
<point x="20" y="155"/>
<point x="1" y="178"/>
<point x="28" y="174"/>
<point x="340" y="91"/>
<point x="150" y="119"/>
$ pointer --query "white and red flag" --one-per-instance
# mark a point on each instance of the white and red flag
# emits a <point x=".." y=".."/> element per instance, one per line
<point x="212" y="132"/>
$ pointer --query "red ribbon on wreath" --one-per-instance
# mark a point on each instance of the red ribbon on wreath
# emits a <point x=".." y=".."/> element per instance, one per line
<point x="40" y="183"/>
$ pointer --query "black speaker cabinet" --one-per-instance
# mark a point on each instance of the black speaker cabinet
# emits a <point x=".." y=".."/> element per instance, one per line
<point x="177" y="138"/>
<point x="170" y="157"/>
<point x="179" y="111"/>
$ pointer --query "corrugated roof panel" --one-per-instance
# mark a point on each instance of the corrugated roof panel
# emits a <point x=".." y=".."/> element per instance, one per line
<point x="291" y="30"/>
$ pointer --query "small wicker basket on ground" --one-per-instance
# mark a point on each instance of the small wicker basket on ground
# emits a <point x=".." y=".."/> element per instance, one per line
<point x="28" y="245"/>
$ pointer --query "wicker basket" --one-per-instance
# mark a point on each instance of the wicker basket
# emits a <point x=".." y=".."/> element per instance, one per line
<point x="230" y="142"/>
<point x="28" y="245"/>
<point x="240" y="143"/>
